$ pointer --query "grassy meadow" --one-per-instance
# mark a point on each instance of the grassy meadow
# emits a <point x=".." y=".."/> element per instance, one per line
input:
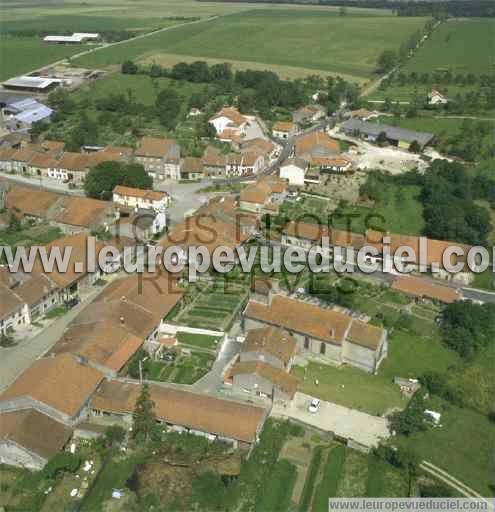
<point x="311" y="39"/>
<point x="460" y="45"/>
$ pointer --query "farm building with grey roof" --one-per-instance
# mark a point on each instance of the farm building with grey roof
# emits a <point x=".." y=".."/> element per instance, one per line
<point x="395" y="135"/>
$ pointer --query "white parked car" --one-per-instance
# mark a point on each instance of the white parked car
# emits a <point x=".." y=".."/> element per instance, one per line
<point x="314" y="405"/>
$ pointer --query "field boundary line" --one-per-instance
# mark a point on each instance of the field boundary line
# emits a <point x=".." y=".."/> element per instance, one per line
<point x="453" y="482"/>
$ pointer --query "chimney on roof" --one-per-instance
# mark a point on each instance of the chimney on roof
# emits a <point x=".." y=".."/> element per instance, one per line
<point x="122" y="320"/>
<point x="332" y="333"/>
<point x="123" y="298"/>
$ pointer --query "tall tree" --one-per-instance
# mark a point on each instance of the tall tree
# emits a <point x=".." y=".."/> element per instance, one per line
<point x="143" y="417"/>
<point x="168" y="105"/>
<point x="387" y="60"/>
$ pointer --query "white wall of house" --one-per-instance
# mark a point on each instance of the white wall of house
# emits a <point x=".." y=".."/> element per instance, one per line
<point x="293" y="173"/>
<point x="16" y="319"/>
<point x="140" y="202"/>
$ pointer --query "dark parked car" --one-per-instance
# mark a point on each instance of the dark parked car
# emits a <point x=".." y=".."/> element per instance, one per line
<point x="71" y="303"/>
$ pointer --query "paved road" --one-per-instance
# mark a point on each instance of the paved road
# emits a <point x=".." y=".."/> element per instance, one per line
<point x="185" y="197"/>
<point x="45" y="184"/>
<point x="351" y="424"/>
<point x="16" y="359"/>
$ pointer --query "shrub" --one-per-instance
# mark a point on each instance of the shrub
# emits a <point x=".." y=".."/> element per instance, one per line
<point x="62" y="462"/>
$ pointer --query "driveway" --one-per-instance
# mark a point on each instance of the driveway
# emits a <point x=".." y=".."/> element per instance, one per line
<point x="348" y="423"/>
<point x="212" y="382"/>
<point x="370" y="156"/>
<point x="254" y="130"/>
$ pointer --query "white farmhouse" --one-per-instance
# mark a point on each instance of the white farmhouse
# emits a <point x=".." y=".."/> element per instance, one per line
<point x="229" y="117"/>
<point x="294" y="170"/>
<point x="436" y="98"/>
<point x="138" y="198"/>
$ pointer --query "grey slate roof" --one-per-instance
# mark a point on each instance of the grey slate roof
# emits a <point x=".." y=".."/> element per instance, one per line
<point x="392" y="132"/>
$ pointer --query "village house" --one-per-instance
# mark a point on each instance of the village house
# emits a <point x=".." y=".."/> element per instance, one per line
<point x="294" y="171"/>
<point x="14" y="312"/>
<point x="126" y="316"/>
<point x="362" y="114"/>
<point x="263" y="196"/>
<point x="242" y="164"/>
<point x="216" y="224"/>
<point x="232" y="137"/>
<point x="191" y="168"/>
<point x="160" y="157"/>
<point x="262" y="380"/>
<point x="28" y="438"/>
<point x="139" y="224"/>
<point x="80" y="274"/>
<point x="270" y="345"/>
<point x="44" y="165"/>
<point x="324" y="333"/>
<point x="260" y="146"/>
<point x="284" y="130"/>
<point x="424" y="290"/>
<point x="25" y="296"/>
<point x="6" y="154"/>
<point x="72" y="214"/>
<point x="436" y="98"/>
<point x="338" y="164"/>
<point x="306" y="235"/>
<point x="214" y="162"/>
<point x="183" y="411"/>
<point x="229" y="118"/>
<point x="57" y="386"/>
<point x="308" y="114"/>
<point x="71" y="167"/>
<point x="139" y="198"/>
<point x="19" y="162"/>
<point x="316" y="144"/>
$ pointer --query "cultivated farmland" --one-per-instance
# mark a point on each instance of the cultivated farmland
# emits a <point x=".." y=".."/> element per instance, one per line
<point x="460" y="46"/>
<point x="305" y="38"/>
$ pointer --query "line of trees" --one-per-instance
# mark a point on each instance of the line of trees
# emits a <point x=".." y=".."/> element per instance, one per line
<point x="455" y="8"/>
<point x="389" y="59"/>
<point x="254" y="89"/>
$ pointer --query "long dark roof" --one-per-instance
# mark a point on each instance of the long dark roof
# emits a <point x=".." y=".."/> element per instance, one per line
<point x="392" y="132"/>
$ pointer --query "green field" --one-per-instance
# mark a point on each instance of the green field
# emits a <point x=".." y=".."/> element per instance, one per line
<point x="409" y="356"/>
<point x="460" y="46"/>
<point x="439" y="126"/>
<point x="463" y="446"/>
<point x="398" y="211"/>
<point x="65" y="23"/>
<point x="23" y="54"/>
<point x="144" y="88"/>
<point x="304" y="38"/>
